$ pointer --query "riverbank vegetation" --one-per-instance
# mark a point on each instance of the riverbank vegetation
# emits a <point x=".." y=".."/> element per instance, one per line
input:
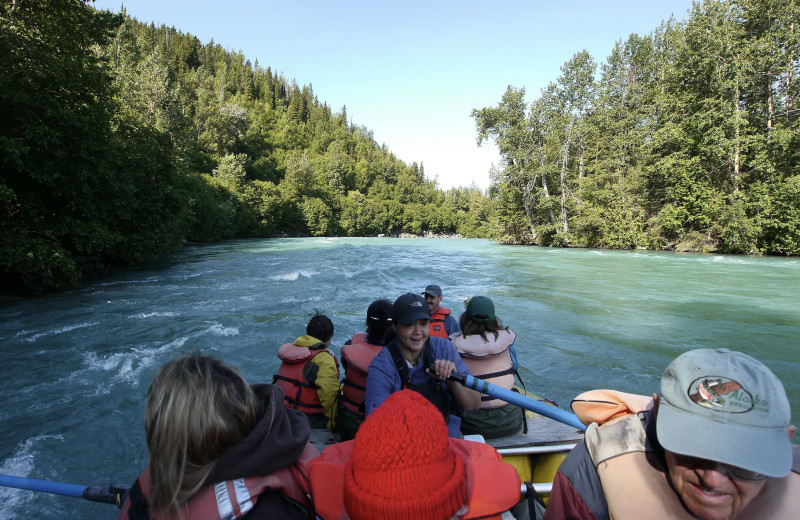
<point x="121" y="140"/>
<point x="686" y="138"/>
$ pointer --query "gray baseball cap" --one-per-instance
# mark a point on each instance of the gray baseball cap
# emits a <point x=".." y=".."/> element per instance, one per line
<point x="433" y="290"/>
<point x="727" y="407"/>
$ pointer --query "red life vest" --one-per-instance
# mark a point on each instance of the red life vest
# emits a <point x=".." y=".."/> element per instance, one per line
<point x="235" y="498"/>
<point x="358" y="354"/>
<point x="488" y="360"/>
<point x="437" y="322"/>
<point x="493" y="486"/>
<point x="297" y="392"/>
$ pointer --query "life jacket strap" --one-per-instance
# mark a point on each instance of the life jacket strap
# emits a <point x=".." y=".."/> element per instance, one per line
<point x="521" y="409"/>
<point x="360" y="406"/>
<point x="351" y="384"/>
<point x="399" y="363"/>
<point x="276" y="378"/>
<point x="434" y="393"/>
<point x="295" y="403"/>
<point x="496" y="374"/>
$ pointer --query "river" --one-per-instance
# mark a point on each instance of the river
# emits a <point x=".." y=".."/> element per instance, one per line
<point x="78" y="364"/>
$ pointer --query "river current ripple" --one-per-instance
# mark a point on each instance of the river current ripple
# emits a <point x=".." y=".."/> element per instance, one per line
<point x="77" y="365"/>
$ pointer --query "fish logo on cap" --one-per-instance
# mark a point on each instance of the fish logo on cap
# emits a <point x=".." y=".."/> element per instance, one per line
<point x="720" y="394"/>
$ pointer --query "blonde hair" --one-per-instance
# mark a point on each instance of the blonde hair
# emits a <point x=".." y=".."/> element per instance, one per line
<point x="197" y="408"/>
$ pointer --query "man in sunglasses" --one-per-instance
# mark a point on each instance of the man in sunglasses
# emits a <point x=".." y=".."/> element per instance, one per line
<point x="714" y="444"/>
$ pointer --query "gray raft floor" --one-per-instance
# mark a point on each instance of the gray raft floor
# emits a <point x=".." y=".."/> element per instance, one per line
<point x="541" y="432"/>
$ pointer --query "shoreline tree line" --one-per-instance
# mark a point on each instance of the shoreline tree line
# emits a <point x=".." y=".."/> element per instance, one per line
<point x="683" y="139"/>
<point x="123" y="140"/>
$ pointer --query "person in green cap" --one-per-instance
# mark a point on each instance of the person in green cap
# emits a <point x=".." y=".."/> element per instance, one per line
<point x="487" y="348"/>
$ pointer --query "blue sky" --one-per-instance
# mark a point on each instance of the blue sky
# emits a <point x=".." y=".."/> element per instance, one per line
<point x="412" y="71"/>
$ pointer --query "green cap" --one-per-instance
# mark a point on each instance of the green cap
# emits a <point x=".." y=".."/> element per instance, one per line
<point x="480" y="309"/>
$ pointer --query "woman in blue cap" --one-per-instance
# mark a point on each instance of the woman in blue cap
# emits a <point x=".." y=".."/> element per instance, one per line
<point x="415" y="360"/>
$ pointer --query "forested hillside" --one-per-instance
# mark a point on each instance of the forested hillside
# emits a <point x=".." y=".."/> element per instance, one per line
<point x="686" y="139"/>
<point x="122" y="140"/>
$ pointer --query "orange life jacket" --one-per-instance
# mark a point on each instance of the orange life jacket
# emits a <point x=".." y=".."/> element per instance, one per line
<point x="437" y="322"/>
<point x="235" y="498"/>
<point x="358" y="354"/>
<point x="493" y="486"/>
<point x="488" y="360"/>
<point x="630" y="483"/>
<point x="297" y="392"/>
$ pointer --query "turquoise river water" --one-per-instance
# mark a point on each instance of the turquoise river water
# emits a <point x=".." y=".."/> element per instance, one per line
<point x="77" y="365"/>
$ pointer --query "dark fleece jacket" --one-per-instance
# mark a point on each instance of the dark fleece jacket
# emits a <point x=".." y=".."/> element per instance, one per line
<point x="275" y="442"/>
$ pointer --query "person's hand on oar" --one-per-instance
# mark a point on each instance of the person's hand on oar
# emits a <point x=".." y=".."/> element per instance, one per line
<point x="441" y="369"/>
<point x="444" y="370"/>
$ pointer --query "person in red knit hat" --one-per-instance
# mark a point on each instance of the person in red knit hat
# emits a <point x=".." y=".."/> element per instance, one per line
<point x="403" y="465"/>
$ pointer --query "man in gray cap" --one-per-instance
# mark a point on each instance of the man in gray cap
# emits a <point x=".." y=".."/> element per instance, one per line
<point x="714" y="444"/>
<point x="442" y="323"/>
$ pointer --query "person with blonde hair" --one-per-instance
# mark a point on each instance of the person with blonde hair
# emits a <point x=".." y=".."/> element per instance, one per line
<point x="220" y="448"/>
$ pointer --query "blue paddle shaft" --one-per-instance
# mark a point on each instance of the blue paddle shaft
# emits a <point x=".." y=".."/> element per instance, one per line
<point x="61" y="488"/>
<point x="520" y="400"/>
<point x="47" y="486"/>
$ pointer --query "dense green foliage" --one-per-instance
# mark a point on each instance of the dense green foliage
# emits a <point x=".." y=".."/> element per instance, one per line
<point x="687" y="139"/>
<point x="121" y="140"/>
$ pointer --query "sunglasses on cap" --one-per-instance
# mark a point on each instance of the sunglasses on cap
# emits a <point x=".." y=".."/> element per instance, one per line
<point x="734" y="472"/>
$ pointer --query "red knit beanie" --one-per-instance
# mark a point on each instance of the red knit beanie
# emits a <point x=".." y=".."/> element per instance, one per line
<point x="402" y="466"/>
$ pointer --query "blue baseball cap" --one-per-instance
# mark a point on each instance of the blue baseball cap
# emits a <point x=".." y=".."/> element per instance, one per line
<point x="409" y="308"/>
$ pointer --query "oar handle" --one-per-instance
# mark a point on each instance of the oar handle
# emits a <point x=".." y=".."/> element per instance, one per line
<point x="95" y="494"/>
<point x="458" y="378"/>
<point x="524" y="401"/>
<point x="454" y="376"/>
